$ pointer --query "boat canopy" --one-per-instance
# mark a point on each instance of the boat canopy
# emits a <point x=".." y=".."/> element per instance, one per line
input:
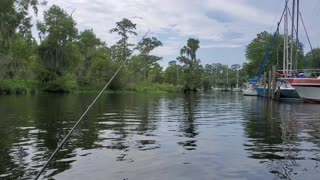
<point x="253" y="80"/>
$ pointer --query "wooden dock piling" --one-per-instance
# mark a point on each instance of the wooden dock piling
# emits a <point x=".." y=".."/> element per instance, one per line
<point x="264" y="84"/>
<point x="274" y="82"/>
<point x="269" y="84"/>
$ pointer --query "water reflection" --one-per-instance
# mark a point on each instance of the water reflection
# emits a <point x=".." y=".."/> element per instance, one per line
<point x="139" y="136"/>
<point x="280" y="136"/>
<point x="188" y="125"/>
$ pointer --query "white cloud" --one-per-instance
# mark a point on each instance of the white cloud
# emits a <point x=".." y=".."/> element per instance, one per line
<point x="221" y="45"/>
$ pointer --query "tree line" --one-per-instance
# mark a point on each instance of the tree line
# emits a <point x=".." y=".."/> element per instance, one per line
<point x="65" y="59"/>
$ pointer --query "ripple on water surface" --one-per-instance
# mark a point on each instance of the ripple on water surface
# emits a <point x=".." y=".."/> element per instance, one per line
<point x="136" y="136"/>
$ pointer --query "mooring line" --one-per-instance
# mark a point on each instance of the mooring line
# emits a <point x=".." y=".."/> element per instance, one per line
<point x="85" y="112"/>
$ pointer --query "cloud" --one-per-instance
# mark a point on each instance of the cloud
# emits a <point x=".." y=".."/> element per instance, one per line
<point x="221" y="45"/>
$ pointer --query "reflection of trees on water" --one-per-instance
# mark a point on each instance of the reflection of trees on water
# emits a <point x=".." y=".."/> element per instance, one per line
<point x="15" y="137"/>
<point x="107" y="125"/>
<point x="263" y="131"/>
<point x="187" y="125"/>
<point x="273" y="130"/>
<point x="129" y="114"/>
<point x="146" y="113"/>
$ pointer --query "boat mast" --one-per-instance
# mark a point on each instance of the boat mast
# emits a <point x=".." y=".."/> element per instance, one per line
<point x="292" y="37"/>
<point x="297" y="37"/>
<point x="237" y="77"/>
<point x="285" y="43"/>
<point x="227" y="77"/>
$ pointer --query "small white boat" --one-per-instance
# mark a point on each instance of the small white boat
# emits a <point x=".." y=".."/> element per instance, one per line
<point x="250" y="91"/>
<point x="236" y="89"/>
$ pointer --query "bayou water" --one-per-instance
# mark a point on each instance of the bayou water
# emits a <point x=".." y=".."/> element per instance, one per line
<point x="218" y="135"/>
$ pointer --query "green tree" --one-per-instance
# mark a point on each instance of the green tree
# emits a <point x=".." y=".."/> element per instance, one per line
<point x="145" y="47"/>
<point x="188" y="53"/>
<point x="156" y="73"/>
<point x="58" y="53"/>
<point x="121" y="50"/>
<point x="88" y="45"/>
<point x="173" y="73"/>
<point x="191" y="69"/>
<point x="256" y="51"/>
<point x="313" y="58"/>
<point x="102" y="67"/>
<point x="16" y="41"/>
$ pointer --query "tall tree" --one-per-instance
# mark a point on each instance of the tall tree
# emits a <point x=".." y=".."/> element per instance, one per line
<point x="171" y="73"/>
<point x="124" y="28"/>
<point x="57" y="50"/>
<point x="88" y="45"/>
<point x="190" y="52"/>
<point x="313" y="58"/>
<point x="192" y="68"/>
<point x="16" y="41"/>
<point x="145" y="47"/>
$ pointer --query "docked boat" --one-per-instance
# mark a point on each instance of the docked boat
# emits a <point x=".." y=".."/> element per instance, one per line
<point x="236" y="89"/>
<point x="250" y="91"/>
<point x="260" y="91"/>
<point x="307" y="88"/>
<point x="287" y="92"/>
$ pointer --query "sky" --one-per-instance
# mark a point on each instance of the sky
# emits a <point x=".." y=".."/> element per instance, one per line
<point x="224" y="27"/>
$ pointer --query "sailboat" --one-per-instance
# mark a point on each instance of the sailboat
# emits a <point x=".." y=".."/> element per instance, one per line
<point x="307" y="88"/>
<point x="226" y="88"/>
<point x="237" y="89"/>
<point x="251" y="88"/>
<point x="287" y="92"/>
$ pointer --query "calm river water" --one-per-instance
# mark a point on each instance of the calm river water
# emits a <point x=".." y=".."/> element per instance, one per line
<point x="219" y="135"/>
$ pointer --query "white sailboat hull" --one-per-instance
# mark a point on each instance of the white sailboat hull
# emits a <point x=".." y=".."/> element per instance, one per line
<point x="307" y="88"/>
<point x="309" y="93"/>
<point x="250" y="92"/>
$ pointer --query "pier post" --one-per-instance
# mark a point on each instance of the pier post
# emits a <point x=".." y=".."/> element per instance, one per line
<point x="264" y="84"/>
<point x="274" y="80"/>
<point x="278" y="93"/>
<point x="269" y="84"/>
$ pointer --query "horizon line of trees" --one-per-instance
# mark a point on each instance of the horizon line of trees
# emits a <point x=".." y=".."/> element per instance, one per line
<point x="65" y="59"/>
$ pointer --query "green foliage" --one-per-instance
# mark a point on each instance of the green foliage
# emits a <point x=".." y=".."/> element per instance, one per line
<point x="149" y="61"/>
<point x="16" y="86"/>
<point x="58" y="54"/>
<point x="171" y="74"/>
<point x="65" y="61"/>
<point x="258" y="47"/>
<point x="313" y="59"/>
<point x="16" y="62"/>
<point x="192" y="68"/>
<point x="124" y="28"/>
<point x="64" y="84"/>
<point x="155" y="88"/>
<point x="91" y="48"/>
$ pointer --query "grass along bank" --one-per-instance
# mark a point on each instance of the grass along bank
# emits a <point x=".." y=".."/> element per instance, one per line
<point x="17" y="86"/>
<point x="155" y="88"/>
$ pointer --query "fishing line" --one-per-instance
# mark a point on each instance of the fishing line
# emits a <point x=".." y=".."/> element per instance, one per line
<point x="86" y="111"/>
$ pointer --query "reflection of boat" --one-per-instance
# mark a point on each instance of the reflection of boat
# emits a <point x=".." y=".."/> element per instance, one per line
<point x="307" y="88"/>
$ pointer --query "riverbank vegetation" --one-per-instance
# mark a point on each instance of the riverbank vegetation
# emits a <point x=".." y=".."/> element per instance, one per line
<point x="64" y="59"/>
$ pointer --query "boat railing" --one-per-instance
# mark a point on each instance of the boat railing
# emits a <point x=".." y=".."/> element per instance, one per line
<point x="299" y="73"/>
